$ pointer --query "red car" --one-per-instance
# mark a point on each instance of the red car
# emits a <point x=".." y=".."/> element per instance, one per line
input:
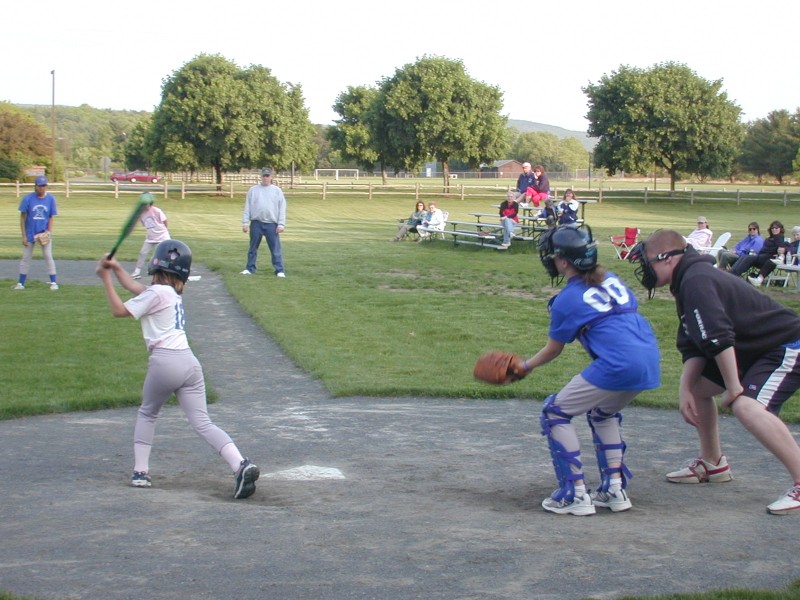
<point x="134" y="176"/>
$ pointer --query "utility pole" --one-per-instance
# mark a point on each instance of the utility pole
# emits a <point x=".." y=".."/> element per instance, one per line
<point x="53" y="122"/>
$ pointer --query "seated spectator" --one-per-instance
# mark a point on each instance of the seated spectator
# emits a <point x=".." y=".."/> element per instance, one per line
<point x="549" y="212"/>
<point x="410" y="225"/>
<point x="750" y="244"/>
<point x="774" y="246"/>
<point x="525" y="180"/>
<point x="433" y="221"/>
<point x="568" y="208"/>
<point x="509" y="218"/>
<point x="700" y="238"/>
<point x="540" y="190"/>
<point x="794" y="246"/>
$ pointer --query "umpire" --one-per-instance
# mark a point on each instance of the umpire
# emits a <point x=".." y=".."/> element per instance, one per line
<point x="736" y="342"/>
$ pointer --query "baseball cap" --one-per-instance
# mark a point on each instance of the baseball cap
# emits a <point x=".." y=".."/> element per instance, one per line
<point x="41" y="180"/>
<point x="702" y="220"/>
<point x="266" y="172"/>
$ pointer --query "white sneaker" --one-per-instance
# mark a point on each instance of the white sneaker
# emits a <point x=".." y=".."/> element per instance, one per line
<point x="245" y="272"/>
<point x="616" y="502"/>
<point x="788" y="504"/>
<point x="19" y="286"/>
<point x="756" y="281"/>
<point x="137" y="274"/>
<point x="53" y="285"/>
<point x="281" y="274"/>
<point x="700" y="471"/>
<point x="580" y="506"/>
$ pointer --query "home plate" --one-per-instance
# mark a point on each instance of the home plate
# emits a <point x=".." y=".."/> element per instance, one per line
<point x="306" y="473"/>
<point x="194" y="277"/>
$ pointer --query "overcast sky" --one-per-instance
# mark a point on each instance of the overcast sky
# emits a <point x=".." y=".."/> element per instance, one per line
<point x="115" y="55"/>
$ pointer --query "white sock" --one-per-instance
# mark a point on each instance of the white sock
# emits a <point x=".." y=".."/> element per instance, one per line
<point x="580" y="490"/>
<point x="231" y="455"/>
<point x="615" y="485"/>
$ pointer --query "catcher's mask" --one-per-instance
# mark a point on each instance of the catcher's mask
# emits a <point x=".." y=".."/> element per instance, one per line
<point x="172" y="256"/>
<point x="570" y="242"/>
<point x="645" y="272"/>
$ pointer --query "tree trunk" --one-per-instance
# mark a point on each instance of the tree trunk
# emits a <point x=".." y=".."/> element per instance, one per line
<point x="446" y="176"/>
<point x="384" y="174"/>
<point x="218" y="177"/>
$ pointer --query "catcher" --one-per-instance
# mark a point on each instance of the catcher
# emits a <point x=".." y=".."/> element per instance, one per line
<point x="37" y="210"/>
<point x="599" y="310"/>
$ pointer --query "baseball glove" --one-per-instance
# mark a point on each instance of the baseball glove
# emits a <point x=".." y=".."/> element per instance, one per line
<point x="500" y="368"/>
<point x="43" y="238"/>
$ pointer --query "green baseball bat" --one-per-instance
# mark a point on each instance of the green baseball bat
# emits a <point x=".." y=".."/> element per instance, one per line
<point x="145" y="200"/>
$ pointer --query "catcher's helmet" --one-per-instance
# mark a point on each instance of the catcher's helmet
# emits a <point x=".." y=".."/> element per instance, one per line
<point x="172" y="256"/>
<point x="570" y="242"/>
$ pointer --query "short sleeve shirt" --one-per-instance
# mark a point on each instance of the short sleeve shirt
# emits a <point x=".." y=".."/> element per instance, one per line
<point x="159" y="308"/>
<point x="604" y="319"/>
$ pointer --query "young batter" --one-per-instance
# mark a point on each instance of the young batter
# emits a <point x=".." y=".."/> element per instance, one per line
<point x="599" y="310"/>
<point x="172" y="367"/>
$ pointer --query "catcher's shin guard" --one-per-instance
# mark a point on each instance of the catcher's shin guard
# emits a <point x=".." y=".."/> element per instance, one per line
<point x="597" y="420"/>
<point x="563" y="461"/>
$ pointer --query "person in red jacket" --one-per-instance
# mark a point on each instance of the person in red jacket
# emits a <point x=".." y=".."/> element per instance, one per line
<point x="509" y="210"/>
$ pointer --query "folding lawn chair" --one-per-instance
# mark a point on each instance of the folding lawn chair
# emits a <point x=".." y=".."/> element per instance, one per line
<point x="623" y="244"/>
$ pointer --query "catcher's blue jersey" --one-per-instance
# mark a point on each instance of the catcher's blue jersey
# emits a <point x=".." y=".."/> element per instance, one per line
<point x="604" y="319"/>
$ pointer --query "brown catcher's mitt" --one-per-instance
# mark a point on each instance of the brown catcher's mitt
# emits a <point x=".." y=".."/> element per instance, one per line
<point x="43" y="238"/>
<point x="500" y="368"/>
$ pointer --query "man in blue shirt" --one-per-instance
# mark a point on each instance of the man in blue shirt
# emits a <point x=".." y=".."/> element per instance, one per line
<point x="526" y="178"/>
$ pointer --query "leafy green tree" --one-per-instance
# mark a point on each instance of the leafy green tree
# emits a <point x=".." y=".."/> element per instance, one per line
<point x="665" y="116"/>
<point x="547" y="149"/>
<point x="771" y="145"/>
<point x="433" y="108"/>
<point x="23" y="141"/>
<point x="214" y="114"/>
<point x="352" y="134"/>
<point x="136" y="152"/>
<point x="536" y="147"/>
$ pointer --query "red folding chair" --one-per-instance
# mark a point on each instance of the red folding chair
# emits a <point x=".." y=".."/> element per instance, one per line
<point x="623" y="244"/>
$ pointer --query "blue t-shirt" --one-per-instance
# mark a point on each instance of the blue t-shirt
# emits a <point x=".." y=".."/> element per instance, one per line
<point x="37" y="213"/>
<point x="619" y="340"/>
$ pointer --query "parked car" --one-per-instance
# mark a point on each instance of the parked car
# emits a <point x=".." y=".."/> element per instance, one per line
<point x="134" y="176"/>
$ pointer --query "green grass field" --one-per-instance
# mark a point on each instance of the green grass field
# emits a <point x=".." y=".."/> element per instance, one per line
<point x="363" y="314"/>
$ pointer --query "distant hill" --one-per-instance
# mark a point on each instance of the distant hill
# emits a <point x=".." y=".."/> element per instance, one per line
<point x="529" y="126"/>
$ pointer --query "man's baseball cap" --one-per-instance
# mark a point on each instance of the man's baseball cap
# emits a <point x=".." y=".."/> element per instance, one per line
<point x="41" y="180"/>
<point x="266" y="172"/>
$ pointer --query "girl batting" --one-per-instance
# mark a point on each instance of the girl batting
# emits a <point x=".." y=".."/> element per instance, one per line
<point x="172" y="367"/>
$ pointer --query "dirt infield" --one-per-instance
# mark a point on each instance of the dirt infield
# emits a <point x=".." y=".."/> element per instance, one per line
<point x="362" y="497"/>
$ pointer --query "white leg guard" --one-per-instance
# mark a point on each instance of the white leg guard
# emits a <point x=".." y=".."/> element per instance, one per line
<point x="567" y="465"/>
<point x="609" y="446"/>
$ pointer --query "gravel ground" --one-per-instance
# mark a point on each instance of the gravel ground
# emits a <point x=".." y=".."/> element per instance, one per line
<point x="362" y="497"/>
